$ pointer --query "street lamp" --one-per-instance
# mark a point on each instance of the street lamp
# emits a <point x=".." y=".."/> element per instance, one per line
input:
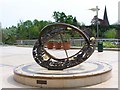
<point x="96" y="10"/>
<point x="100" y="44"/>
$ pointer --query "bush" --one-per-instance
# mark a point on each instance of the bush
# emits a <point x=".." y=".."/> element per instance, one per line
<point x="110" y="45"/>
<point x="110" y="33"/>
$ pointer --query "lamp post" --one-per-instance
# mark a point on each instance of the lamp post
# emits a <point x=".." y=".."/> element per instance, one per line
<point x="100" y="44"/>
<point x="96" y="10"/>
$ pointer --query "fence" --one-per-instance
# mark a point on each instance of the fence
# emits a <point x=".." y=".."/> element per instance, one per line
<point x="26" y="42"/>
<point x="74" y="42"/>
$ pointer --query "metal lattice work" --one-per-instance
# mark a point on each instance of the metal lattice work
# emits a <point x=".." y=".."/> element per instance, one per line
<point x="55" y="63"/>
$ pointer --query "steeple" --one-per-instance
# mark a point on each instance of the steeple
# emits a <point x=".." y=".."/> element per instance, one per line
<point x="105" y="17"/>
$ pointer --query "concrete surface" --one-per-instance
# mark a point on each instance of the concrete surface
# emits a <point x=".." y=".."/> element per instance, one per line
<point x="80" y="75"/>
<point x="12" y="56"/>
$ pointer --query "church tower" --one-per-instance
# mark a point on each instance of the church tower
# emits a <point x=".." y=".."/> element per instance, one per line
<point x="105" y="17"/>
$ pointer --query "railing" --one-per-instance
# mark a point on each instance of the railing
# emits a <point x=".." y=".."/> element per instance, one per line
<point x="26" y="42"/>
<point x="73" y="41"/>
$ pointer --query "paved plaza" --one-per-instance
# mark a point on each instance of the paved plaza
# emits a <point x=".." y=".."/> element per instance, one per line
<point x="12" y="56"/>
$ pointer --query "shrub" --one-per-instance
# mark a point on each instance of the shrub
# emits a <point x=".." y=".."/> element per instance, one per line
<point x="110" y="45"/>
<point x="110" y="33"/>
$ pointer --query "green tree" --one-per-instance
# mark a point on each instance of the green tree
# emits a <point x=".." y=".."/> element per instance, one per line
<point x="21" y="31"/>
<point x="110" y="33"/>
<point x="36" y="23"/>
<point x="69" y="19"/>
<point x="59" y="17"/>
<point x="63" y="18"/>
<point x="34" y="32"/>
<point x="29" y="29"/>
<point x="9" y="35"/>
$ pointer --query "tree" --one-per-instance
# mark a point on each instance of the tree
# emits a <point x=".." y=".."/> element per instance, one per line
<point x="36" y="22"/>
<point x="21" y="31"/>
<point x="59" y="17"/>
<point x="63" y="18"/>
<point x="110" y="33"/>
<point x="9" y="35"/>
<point x="69" y="19"/>
<point x="29" y="29"/>
<point x="76" y="23"/>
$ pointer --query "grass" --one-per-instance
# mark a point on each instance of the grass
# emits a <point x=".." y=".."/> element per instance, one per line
<point x="110" y="45"/>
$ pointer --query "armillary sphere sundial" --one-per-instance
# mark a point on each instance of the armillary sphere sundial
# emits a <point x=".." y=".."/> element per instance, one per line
<point x="52" y="62"/>
<point x="56" y="71"/>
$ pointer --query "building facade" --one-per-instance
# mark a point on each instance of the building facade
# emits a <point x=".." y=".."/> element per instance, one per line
<point x="0" y="33"/>
<point x="119" y="12"/>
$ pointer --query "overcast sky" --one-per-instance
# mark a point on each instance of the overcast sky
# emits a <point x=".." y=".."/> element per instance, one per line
<point x="12" y="11"/>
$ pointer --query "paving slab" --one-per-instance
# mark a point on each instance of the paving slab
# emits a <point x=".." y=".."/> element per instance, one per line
<point x="12" y="56"/>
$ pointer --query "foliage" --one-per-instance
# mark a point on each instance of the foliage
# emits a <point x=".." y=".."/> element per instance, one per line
<point x="9" y="35"/>
<point x="29" y="29"/>
<point x="62" y="17"/>
<point x="110" y="33"/>
<point x="24" y="30"/>
<point x="76" y="36"/>
<point x="104" y="31"/>
<point x="66" y="37"/>
<point x="110" y="45"/>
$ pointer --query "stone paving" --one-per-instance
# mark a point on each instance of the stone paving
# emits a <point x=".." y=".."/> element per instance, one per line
<point x="12" y="56"/>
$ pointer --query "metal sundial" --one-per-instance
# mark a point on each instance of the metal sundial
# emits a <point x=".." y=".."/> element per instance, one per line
<point x="54" y="63"/>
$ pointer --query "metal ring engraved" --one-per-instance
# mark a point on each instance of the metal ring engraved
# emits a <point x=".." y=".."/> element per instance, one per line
<point x="54" y="63"/>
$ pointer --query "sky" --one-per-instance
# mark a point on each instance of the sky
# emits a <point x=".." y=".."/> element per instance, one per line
<point x="12" y="11"/>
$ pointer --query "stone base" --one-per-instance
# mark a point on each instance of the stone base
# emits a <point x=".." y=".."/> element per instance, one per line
<point x="87" y="73"/>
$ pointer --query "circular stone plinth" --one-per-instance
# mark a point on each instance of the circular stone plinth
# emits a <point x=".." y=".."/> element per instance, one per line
<point x="87" y="73"/>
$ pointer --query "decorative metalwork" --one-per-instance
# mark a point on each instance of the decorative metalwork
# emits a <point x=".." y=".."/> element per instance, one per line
<point x="45" y="59"/>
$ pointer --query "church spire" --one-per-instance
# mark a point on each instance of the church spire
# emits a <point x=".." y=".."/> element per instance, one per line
<point x="105" y="17"/>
